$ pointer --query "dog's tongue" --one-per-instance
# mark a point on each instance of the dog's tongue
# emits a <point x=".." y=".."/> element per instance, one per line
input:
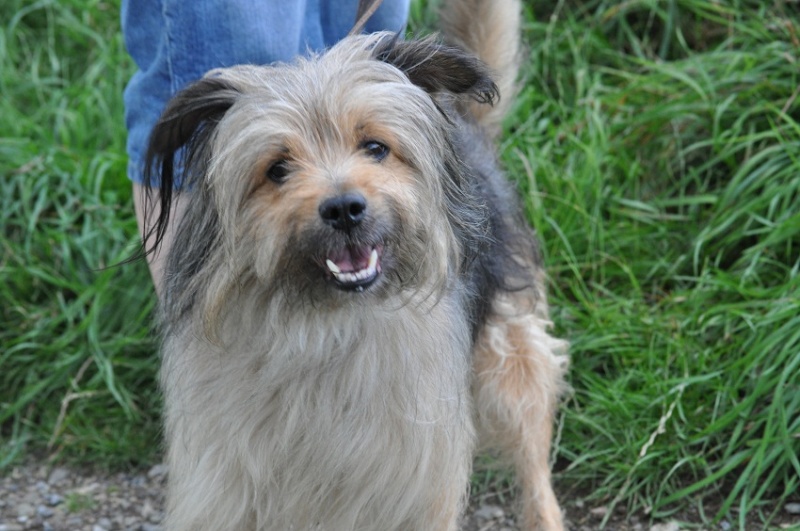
<point x="351" y="259"/>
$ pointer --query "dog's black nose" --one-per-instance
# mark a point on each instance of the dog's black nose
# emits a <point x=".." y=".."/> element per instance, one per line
<point x="345" y="211"/>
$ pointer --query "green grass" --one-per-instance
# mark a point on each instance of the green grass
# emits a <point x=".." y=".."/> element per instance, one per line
<point x="76" y="502"/>
<point x="657" y="147"/>
<point x="660" y="154"/>
<point x="76" y="356"/>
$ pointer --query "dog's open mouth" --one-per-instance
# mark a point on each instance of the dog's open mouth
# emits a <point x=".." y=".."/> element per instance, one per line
<point x="355" y="268"/>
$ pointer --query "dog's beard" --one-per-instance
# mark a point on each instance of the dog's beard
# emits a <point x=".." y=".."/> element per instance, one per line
<point x="356" y="261"/>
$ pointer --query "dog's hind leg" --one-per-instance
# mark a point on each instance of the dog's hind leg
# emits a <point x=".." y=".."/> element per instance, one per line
<point x="519" y="372"/>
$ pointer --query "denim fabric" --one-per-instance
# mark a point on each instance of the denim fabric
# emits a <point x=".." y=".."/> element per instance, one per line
<point x="174" y="42"/>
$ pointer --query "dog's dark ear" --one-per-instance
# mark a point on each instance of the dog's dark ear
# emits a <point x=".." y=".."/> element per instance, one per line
<point x="180" y="140"/>
<point x="188" y="119"/>
<point x="438" y="67"/>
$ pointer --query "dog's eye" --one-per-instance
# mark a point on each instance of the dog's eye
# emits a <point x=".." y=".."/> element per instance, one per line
<point x="376" y="150"/>
<point x="279" y="171"/>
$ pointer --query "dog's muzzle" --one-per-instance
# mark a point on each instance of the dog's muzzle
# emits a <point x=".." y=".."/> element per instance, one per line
<point x="354" y="267"/>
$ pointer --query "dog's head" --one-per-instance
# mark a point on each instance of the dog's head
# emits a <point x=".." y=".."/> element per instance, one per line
<point x="331" y="176"/>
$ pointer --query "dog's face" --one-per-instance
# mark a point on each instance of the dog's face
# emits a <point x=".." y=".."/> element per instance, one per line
<point x="325" y="180"/>
<point x="334" y="175"/>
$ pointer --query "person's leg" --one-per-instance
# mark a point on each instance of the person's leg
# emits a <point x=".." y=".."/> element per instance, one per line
<point x="145" y="203"/>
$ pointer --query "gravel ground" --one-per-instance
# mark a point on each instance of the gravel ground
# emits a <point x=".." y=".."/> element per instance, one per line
<point x="60" y="499"/>
<point x="34" y="496"/>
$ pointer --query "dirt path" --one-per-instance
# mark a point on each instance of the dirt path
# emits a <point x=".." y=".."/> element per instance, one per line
<point x="34" y="496"/>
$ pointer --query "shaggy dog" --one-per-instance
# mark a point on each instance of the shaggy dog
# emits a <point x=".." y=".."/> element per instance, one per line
<point x="353" y="300"/>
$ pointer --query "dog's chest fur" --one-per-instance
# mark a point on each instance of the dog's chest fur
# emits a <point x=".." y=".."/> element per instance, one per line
<point x="366" y="400"/>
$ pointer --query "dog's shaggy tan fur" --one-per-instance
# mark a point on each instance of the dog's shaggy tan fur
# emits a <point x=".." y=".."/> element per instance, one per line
<point x="352" y="299"/>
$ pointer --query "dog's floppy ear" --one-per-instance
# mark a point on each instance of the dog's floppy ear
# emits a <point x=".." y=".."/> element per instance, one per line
<point x="438" y="67"/>
<point x="181" y="137"/>
<point x="188" y="118"/>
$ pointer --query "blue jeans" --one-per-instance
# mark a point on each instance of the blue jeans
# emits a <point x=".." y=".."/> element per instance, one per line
<point x="174" y="42"/>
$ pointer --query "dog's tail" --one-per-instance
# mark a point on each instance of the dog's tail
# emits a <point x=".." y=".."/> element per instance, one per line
<point x="489" y="29"/>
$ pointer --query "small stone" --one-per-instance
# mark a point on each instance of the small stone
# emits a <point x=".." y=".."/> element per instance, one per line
<point x="105" y="523"/>
<point x="46" y="526"/>
<point x="44" y="511"/>
<point x="157" y="471"/>
<point x="668" y="526"/>
<point x="489" y="512"/>
<point x="58" y="475"/>
<point x="150" y="527"/>
<point x="725" y="525"/>
<point x="88" y="488"/>
<point x="25" y="510"/>
<point x="792" y="508"/>
<point x="96" y="527"/>
<point x="11" y="527"/>
<point x="599" y="511"/>
<point x="54" y="499"/>
<point x="147" y="509"/>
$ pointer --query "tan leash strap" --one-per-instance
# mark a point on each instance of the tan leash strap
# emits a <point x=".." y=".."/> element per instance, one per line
<point x="366" y="8"/>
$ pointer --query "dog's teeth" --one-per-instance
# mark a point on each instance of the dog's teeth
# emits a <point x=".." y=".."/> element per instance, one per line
<point x="349" y="277"/>
<point x="333" y="267"/>
<point x="345" y="277"/>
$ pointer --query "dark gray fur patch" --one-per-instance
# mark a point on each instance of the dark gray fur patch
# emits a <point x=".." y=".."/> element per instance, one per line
<point x="507" y="254"/>
<point x="438" y="67"/>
